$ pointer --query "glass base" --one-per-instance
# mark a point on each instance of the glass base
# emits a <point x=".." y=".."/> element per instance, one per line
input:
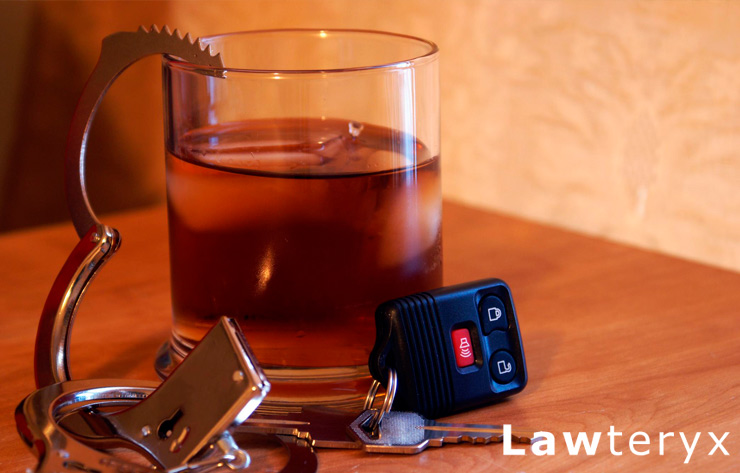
<point x="343" y="387"/>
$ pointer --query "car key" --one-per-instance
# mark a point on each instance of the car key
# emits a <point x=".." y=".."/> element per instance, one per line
<point x="410" y="433"/>
<point x="454" y="348"/>
<point x="321" y="427"/>
<point x="400" y="432"/>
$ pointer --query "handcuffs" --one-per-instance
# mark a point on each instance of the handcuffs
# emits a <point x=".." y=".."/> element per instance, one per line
<point x="184" y="424"/>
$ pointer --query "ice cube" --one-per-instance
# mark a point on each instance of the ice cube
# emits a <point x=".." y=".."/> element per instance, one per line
<point x="334" y="150"/>
<point x="355" y="128"/>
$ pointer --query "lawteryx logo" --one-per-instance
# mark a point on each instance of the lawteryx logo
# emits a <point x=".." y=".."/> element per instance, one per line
<point x="640" y="443"/>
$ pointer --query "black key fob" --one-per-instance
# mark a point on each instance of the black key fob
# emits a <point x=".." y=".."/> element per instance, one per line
<point x="453" y="348"/>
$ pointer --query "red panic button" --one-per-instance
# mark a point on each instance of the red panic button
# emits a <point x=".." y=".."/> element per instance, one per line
<point x="463" y="347"/>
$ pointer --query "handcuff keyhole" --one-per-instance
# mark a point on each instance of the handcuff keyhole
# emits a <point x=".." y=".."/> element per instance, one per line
<point x="167" y="426"/>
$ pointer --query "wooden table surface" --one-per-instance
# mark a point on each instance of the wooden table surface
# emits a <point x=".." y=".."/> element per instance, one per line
<point x="613" y="335"/>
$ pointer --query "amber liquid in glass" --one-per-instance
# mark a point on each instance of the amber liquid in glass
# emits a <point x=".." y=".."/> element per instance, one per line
<point x="299" y="228"/>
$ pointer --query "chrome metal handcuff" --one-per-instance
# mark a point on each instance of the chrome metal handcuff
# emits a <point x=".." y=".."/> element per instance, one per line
<point x="184" y="424"/>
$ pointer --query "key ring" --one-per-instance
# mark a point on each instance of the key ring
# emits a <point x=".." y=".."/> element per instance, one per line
<point x="390" y="394"/>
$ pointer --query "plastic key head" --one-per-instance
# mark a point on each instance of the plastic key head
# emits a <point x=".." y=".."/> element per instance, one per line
<point x="454" y="348"/>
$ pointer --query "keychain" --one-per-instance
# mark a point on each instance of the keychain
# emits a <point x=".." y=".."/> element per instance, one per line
<point x="439" y="353"/>
<point x="454" y="348"/>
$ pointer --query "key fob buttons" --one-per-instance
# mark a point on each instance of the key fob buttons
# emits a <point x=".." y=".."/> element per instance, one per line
<point x="463" y="347"/>
<point x="454" y="348"/>
<point x="492" y="314"/>
<point x="502" y="366"/>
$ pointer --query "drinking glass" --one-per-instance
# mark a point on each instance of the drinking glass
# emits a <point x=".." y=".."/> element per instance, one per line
<point x="303" y="189"/>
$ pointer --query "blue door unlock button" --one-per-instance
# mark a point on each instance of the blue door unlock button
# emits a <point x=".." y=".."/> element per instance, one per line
<point x="502" y="366"/>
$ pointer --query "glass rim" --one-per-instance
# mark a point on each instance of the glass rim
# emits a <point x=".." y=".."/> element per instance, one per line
<point x="432" y="53"/>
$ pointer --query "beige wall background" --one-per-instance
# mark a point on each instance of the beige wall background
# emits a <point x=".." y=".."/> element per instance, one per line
<point x="617" y="119"/>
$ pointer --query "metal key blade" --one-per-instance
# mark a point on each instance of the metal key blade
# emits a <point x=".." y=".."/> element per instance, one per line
<point x="410" y="433"/>
<point x="322" y="427"/>
<point x="475" y="433"/>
